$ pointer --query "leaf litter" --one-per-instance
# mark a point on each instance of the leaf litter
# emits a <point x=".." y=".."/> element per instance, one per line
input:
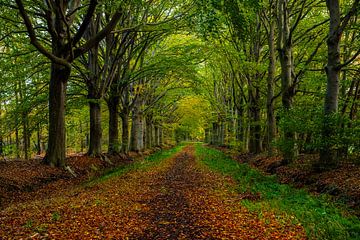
<point x="176" y="199"/>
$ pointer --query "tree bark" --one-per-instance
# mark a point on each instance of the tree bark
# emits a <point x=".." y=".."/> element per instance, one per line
<point x="113" y="106"/>
<point x="215" y="134"/>
<point x="137" y="134"/>
<point x="55" y="155"/>
<point x="157" y="136"/>
<point x="287" y="88"/>
<point x="149" y="133"/>
<point x="271" y="121"/>
<point x="39" y="140"/>
<point x="328" y="156"/>
<point x="255" y="127"/>
<point x="125" y="131"/>
<point x="161" y="136"/>
<point x="95" y="128"/>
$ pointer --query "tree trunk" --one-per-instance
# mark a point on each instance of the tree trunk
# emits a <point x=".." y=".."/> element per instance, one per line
<point x="215" y="134"/>
<point x="287" y="88"/>
<point x="161" y="136"/>
<point x="222" y="134"/>
<point x="271" y="121"/>
<point x="149" y="133"/>
<point x="55" y="154"/>
<point x="255" y="127"/>
<point x="207" y="135"/>
<point x="1" y="133"/>
<point x="240" y="125"/>
<point x="328" y="155"/>
<point x="25" y="135"/>
<point x="17" y="140"/>
<point x="39" y="140"/>
<point x="137" y="135"/>
<point x="125" y="131"/>
<point x="95" y="128"/>
<point x="157" y="135"/>
<point x="113" y="105"/>
<point x="1" y="146"/>
<point x="82" y="139"/>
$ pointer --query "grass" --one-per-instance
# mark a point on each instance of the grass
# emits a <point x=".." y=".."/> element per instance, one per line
<point x="321" y="217"/>
<point x="143" y="164"/>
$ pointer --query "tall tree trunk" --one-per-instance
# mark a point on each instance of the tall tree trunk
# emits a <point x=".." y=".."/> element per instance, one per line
<point x="95" y="128"/>
<point x="113" y="106"/>
<point x="287" y="88"/>
<point x="328" y="155"/>
<point x="38" y="139"/>
<point x="55" y="155"/>
<point x="1" y="133"/>
<point x="25" y="134"/>
<point x="215" y="134"/>
<point x="82" y="137"/>
<point x="17" y="140"/>
<point x="222" y="134"/>
<point x="240" y="125"/>
<point x="125" y="131"/>
<point x="24" y="121"/>
<point x="1" y="146"/>
<point x="161" y="136"/>
<point x="255" y="127"/>
<point x="157" y="135"/>
<point x="137" y="134"/>
<point x="149" y="133"/>
<point x="271" y="121"/>
<point x="207" y="135"/>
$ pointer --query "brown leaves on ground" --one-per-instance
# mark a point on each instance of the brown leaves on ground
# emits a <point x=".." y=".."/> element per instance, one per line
<point x="177" y="199"/>
<point x="22" y="180"/>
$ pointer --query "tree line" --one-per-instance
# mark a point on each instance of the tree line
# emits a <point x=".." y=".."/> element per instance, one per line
<point x="279" y="76"/>
<point x="285" y="77"/>
<point x="109" y="54"/>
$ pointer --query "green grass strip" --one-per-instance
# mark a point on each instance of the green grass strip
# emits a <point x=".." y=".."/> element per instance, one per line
<point x="144" y="164"/>
<point x="321" y="217"/>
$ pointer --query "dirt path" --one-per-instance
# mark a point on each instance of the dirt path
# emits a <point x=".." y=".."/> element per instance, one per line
<point x="177" y="199"/>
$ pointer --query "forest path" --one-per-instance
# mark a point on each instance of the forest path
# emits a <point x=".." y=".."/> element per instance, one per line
<point x="179" y="198"/>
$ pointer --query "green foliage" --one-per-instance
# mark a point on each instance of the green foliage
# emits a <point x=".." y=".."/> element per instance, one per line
<point x="322" y="218"/>
<point x="193" y="113"/>
<point x="214" y="17"/>
<point x="307" y="122"/>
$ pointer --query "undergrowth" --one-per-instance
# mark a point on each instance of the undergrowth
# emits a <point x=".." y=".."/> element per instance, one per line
<point x="321" y="217"/>
<point x="143" y="164"/>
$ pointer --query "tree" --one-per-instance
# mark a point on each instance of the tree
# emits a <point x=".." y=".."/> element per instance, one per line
<point x="328" y="154"/>
<point x="60" y="19"/>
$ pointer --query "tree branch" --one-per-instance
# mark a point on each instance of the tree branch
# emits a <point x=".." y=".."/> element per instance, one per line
<point x="86" y="22"/>
<point x="33" y="39"/>
<point x="98" y="37"/>
<point x="346" y="19"/>
<point x="350" y="60"/>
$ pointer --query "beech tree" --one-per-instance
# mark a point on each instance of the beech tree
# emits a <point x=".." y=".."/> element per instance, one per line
<point x="59" y="18"/>
<point x="333" y="68"/>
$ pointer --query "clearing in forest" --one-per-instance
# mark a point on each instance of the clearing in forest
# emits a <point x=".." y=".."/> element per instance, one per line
<point x="179" y="198"/>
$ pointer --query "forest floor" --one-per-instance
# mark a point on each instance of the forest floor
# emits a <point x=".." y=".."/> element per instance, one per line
<point x="177" y="197"/>
<point x="342" y="183"/>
